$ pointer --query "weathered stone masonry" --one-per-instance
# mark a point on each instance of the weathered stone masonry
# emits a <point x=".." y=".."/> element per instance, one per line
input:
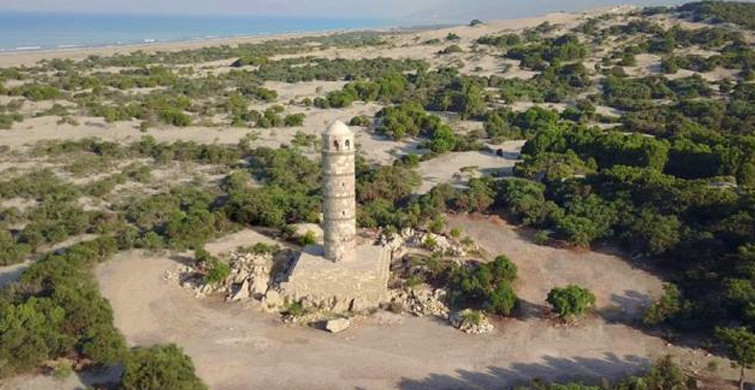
<point x="339" y="205"/>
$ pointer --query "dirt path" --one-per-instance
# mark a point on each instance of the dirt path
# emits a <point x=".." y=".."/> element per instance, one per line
<point x="236" y="347"/>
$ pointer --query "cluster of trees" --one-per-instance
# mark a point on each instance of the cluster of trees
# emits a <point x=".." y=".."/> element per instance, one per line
<point x="293" y="70"/>
<point x="386" y="88"/>
<point x="540" y="55"/>
<point x="638" y="94"/>
<point x="290" y="192"/>
<point x="35" y="92"/>
<point x="740" y="13"/>
<point x="412" y="120"/>
<point x="614" y="188"/>
<point x="503" y="123"/>
<point x="734" y="56"/>
<point x="502" y="41"/>
<point x="485" y="285"/>
<point x="664" y="374"/>
<point x="55" y="310"/>
<point x="159" y="367"/>
<point x="241" y="116"/>
<point x="465" y="96"/>
<point x="264" y="49"/>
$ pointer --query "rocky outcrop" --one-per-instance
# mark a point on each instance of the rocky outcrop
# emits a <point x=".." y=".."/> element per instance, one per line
<point x="421" y="302"/>
<point x="471" y="321"/>
<point x="410" y="238"/>
<point x="249" y="277"/>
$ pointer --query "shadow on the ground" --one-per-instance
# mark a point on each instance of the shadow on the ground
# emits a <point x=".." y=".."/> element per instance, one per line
<point x="107" y="377"/>
<point x="183" y="259"/>
<point x="628" y="307"/>
<point x="527" y="310"/>
<point x="552" y="369"/>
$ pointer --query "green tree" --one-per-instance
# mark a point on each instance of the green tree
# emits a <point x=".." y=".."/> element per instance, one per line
<point x="667" y="307"/>
<point x="740" y="346"/>
<point x="571" y="301"/>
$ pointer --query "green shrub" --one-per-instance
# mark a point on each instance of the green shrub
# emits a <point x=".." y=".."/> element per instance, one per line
<point x="486" y="285"/>
<point x="55" y="310"/>
<point x="451" y="50"/>
<point x="570" y="301"/>
<point x="158" y="368"/>
<point x="308" y="238"/>
<point x="175" y="117"/>
<point x="295" y="310"/>
<point x="294" y="120"/>
<point x="502" y="300"/>
<point x="216" y="271"/>
<point x="361" y="120"/>
<point x="542" y="237"/>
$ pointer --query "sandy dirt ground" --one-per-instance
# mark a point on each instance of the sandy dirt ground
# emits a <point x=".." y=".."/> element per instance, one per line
<point x="234" y="346"/>
<point x="622" y="291"/>
<point x="447" y="168"/>
<point x="375" y="148"/>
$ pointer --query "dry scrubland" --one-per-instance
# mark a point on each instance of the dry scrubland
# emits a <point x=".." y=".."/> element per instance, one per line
<point x="617" y="143"/>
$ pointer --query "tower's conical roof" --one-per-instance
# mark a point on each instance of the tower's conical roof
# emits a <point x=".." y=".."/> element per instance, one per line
<point x="337" y="128"/>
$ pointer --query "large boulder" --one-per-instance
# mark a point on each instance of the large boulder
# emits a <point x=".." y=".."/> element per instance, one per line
<point x="337" y="325"/>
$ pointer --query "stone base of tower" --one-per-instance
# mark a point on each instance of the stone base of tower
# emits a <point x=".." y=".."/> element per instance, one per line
<point x="356" y="284"/>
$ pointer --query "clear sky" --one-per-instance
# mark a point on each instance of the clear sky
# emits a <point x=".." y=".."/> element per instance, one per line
<point x="399" y="10"/>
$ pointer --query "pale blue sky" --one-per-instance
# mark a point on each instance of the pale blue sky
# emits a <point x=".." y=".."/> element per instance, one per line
<point x="424" y="11"/>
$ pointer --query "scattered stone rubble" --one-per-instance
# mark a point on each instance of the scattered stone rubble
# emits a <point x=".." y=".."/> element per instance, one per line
<point x="249" y="278"/>
<point x="422" y="301"/>
<point x="409" y="238"/>
<point x="460" y="320"/>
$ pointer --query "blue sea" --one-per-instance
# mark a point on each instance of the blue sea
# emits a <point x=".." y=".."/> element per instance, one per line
<point x="26" y="31"/>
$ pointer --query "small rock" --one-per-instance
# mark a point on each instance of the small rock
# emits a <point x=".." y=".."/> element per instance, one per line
<point x="337" y="325"/>
<point x="259" y="285"/>
<point x="242" y="293"/>
<point x="272" y="299"/>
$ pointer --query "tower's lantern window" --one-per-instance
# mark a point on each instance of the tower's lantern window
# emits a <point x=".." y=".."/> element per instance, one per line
<point x="335" y="145"/>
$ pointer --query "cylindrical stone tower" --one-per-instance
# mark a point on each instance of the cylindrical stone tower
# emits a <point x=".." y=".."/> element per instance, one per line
<point x="339" y="196"/>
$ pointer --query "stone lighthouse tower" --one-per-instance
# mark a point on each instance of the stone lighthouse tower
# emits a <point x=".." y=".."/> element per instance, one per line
<point x="339" y="203"/>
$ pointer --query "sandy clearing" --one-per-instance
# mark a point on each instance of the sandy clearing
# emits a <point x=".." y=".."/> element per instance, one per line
<point x="625" y="290"/>
<point x="236" y="347"/>
<point x="446" y="168"/>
